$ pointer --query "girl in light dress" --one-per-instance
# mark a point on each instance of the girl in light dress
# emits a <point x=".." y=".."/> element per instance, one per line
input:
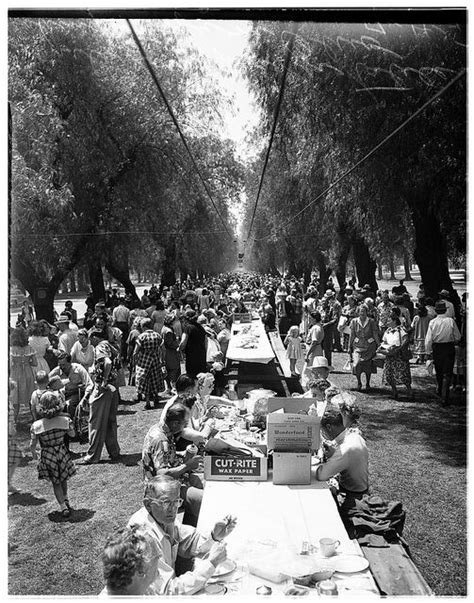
<point x="40" y="343"/>
<point x="294" y="350"/>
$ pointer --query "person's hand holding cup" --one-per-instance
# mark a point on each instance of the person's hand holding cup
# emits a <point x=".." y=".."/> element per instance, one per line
<point x="328" y="546"/>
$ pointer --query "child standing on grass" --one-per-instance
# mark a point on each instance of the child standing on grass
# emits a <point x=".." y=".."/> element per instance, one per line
<point x="14" y="453"/>
<point x="55" y="463"/>
<point x="42" y="385"/>
<point x="294" y="352"/>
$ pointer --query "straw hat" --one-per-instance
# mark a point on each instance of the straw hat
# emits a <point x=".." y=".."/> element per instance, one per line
<point x="321" y="362"/>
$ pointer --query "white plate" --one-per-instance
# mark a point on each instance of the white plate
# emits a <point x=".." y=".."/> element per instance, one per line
<point x="224" y="568"/>
<point x="350" y="564"/>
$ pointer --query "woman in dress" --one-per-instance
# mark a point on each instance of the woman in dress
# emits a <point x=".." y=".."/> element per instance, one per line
<point x="171" y="355"/>
<point x="82" y="351"/>
<point x="396" y="369"/>
<point x="23" y="365"/>
<point x="158" y="316"/>
<point x="349" y="311"/>
<point x="40" y="343"/>
<point x="363" y="343"/>
<point x="309" y="306"/>
<point x="315" y="338"/>
<point x="149" y="375"/>
<point x="193" y="344"/>
<point x="419" y="327"/>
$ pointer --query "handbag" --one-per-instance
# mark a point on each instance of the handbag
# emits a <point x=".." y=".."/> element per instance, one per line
<point x="347" y="368"/>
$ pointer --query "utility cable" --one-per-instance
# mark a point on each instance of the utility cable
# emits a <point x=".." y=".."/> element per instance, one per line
<point x="288" y="54"/>
<point x="175" y="121"/>
<point x="53" y="235"/>
<point x="370" y="153"/>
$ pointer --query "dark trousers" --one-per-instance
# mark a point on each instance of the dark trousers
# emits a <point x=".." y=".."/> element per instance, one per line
<point x="123" y="326"/>
<point x="327" y="342"/>
<point x="443" y="359"/>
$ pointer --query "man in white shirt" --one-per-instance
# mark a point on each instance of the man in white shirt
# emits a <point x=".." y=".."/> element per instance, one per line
<point x="440" y="341"/>
<point x="444" y="296"/>
<point x="158" y="518"/>
<point x="120" y="319"/>
<point x="67" y="337"/>
<point x="347" y="456"/>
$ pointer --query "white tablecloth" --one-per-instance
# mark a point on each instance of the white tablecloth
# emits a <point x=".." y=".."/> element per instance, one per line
<point x="274" y="521"/>
<point x="262" y="353"/>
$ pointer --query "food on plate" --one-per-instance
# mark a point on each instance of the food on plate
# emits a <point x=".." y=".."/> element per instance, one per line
<point x="296" y="591"/>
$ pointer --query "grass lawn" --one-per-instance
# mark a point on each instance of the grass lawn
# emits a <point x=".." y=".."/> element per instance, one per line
<point x="417" y="455"/>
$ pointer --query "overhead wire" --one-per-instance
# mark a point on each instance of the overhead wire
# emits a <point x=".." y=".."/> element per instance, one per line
<point x="369" y="154"/>
<point x="286" y="65"/>
<point x="119" y="232"/>
<point x="175" y="121"/>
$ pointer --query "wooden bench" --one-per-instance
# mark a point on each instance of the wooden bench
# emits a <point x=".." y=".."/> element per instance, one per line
<point x="394" y="571"/>
<point x="280" y="352"/>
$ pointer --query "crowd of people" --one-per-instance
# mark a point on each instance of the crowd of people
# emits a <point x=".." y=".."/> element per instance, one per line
<point x="172" y="344"/>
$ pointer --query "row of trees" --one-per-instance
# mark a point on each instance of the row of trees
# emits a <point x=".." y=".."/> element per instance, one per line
<point x="99" y="175"/>
<point x="348" y="87"/>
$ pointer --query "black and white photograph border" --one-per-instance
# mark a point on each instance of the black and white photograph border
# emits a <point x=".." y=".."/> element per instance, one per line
<point x="418" y="448"/>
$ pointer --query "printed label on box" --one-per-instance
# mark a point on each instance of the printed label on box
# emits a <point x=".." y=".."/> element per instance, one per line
<point x="225" y="468"/>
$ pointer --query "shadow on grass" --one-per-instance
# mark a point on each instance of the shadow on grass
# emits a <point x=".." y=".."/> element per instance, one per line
<point x="129" y="460"/>
<point x="77" y="516"/>
<point x="126" y="412"/>
<point x="443" y="428"/>
<point x="24" y="499"/>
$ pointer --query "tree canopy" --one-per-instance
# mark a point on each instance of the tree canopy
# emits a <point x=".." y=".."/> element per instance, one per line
<point x="96" y="157"/>
<point x="348" y="87"/>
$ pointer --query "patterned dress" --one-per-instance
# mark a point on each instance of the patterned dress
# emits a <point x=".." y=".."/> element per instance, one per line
<point x="396" y="371"/>
<point x="55" y="463"/>
<point x="149" y="377"/>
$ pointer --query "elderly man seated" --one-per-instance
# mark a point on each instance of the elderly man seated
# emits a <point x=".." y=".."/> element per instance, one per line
<point x="129" y="562"/>
<point x="345" y="455"/>
<point x="158" y="519"/>
<point x="159" y="456"/>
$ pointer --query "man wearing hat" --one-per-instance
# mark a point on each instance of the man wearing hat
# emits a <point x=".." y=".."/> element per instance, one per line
<point x="444" y="296"/>
<point x="67" y="337"/>
<point x="440" y="341"/>
<point x="319" y="369"/>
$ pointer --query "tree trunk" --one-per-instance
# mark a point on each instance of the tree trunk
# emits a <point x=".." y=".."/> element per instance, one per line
<point x="365" y="265"/>
<point x="379" y="271"/>
<point x="169" y="265"/>
<point x="324" y="272"/>
<point x="344" y="249"/>
<point x="406" y="265"/>
<point x="430" y="250"/>
<point x="96" y="279"/>
<point x="43" y="299"/>
<point x="118" y="266"/>
<point x="391" y="265"/>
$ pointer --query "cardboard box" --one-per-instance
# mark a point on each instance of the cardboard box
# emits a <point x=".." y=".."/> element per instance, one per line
<point x="292" y="432"/>
<point x="292" y="468"/>
<point x="227" y="468"/>
<point x="294" y="405"/>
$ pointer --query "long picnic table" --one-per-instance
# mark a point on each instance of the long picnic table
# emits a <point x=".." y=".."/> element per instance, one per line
<point x="272" y="524"/>
<point x="257" y="359"/>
